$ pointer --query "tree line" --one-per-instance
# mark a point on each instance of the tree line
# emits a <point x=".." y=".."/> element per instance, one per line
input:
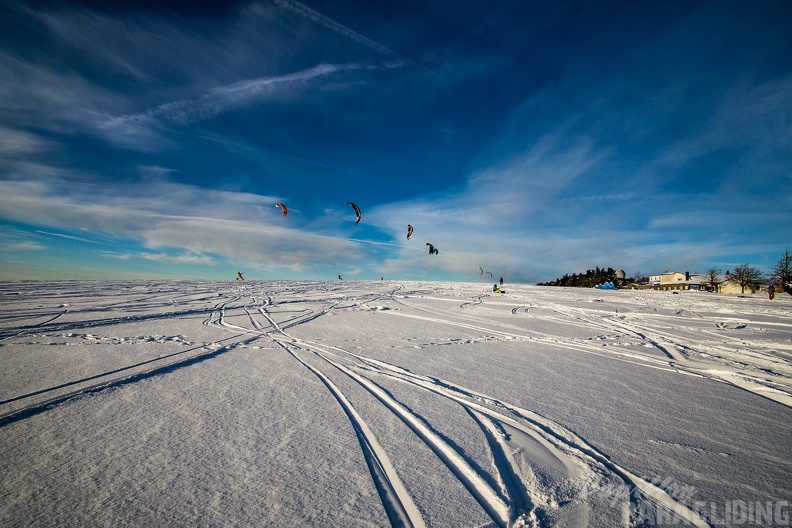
<point x="589" y="279"/>
<point x="743" y="275"/>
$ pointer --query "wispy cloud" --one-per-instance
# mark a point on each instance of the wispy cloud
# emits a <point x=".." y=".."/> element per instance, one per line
<point x="757" y="112"/>
<point x="188" y="258"/>
<point x="14" y="143"/>
<point x="225" y="98"/>
<point x="334" y="26"/>
<point x="489" y="220"/>
<point x="309" y="13"/>
<point x="159" y="56"/>
<point x="136" y="128"/>
<point x="563" y="203"/>
<point x="204" y="224"/>
<point x="69" y="237"/>
<point x="22" y="246"/>
<point x="14" y="240"/>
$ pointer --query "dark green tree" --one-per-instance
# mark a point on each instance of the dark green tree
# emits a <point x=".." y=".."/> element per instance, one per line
<point x="589" y="279"/>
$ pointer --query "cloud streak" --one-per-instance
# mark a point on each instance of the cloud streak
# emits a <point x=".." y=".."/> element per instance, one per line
<point x="310" y="14"/>
<point x="208" y="226"/>
<point x="68" y="237"/>
<point x="223" y="99"/>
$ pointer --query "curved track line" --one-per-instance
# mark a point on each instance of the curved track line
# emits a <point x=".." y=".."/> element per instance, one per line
<point x="398" y="504"/>
<point x="552" y="435"/>
<point x="645" y="361"/>
<point x="38" y="408"/>
<point x="673" y="362"/>
<point x="487" y="497"/>
<point x="520" y="501"/>
<point x="558" y="434"/>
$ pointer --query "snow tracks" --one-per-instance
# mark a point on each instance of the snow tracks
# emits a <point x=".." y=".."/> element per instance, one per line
<point x="438" y="452"/>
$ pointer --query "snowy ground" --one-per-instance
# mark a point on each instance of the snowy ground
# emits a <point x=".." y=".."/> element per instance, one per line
<point x="391" y="404"/>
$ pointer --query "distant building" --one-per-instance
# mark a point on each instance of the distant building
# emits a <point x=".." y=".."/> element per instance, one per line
<point x="700" y="282"/>
<point x="669" y="281"/>
<point x="759" y="286"/>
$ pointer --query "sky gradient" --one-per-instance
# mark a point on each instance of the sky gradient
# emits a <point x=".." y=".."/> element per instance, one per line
<point x="153" y="140"/>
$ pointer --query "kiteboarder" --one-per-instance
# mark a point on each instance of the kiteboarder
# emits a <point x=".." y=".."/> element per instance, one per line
<point x="239" y="276"/>
<point x="501" y="281"/>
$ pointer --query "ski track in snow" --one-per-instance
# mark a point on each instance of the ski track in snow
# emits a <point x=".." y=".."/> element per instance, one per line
<point x="509" y="492"/>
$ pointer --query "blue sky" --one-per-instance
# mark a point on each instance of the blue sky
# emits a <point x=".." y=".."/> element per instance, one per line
<point x="153" y="139"/>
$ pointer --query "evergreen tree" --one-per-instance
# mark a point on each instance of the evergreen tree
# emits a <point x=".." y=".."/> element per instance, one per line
<point x="589" y="279"/>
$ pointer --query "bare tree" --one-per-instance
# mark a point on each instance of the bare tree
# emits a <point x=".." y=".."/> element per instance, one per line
<point x="745" y="275"/>
<point x="713" y="279"/>
<point x="782" y="273"/>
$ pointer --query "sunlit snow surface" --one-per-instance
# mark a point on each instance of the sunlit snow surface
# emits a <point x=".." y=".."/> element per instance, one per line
<point x="353" y="403"/>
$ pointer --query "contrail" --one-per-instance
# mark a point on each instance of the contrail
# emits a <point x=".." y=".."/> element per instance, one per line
<point x="309" y="13"/>
<point x="69" y="237"/>
<point x="332" y="25"/>
<point x="207" y="106"/>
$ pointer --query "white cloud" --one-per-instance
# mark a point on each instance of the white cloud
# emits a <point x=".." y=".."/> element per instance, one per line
<point x="185" y="71"/>
<point x="22" y="246"/>
<point x="205" y="224"/>
<point x="68" y="237"/>
<point x="14" y="142"/>
<point x="12" y="239"/>
<point x="752" y="116"/>
<point x="489" y="222"/>
<point x="34" y="95"/>
<point x="186" y="258"/>
<point x="224" y="98"/>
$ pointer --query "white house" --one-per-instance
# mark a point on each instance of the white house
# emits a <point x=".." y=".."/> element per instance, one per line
<point x="676" y="280"/>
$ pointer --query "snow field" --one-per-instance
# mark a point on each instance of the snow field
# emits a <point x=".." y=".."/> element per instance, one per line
<point x="386" y="404"/>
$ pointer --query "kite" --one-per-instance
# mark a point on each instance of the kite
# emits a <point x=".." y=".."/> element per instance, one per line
<point x="409" y="231"/>
<point x="239" y="276"/>
<point x="357" y="211"/>
<point x="482" y="270"/>
<point x="432" y="250"/>
<point x="283" y="208"/>
<point x="339" y="277"/>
